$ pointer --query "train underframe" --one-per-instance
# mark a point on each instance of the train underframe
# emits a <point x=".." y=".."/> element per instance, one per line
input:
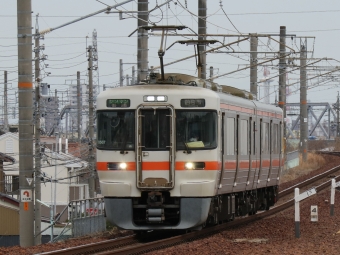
<point x="158" y="210"/>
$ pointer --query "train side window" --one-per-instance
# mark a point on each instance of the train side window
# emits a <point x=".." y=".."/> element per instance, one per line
<point x="265" y="138"/>
<point x="275" y="144"/>
<point x="230" y="136"/>
<point x="254" y="137"/>
<point x="243" y="134"/>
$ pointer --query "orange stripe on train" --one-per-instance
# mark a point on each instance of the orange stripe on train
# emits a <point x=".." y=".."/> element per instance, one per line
<point x="159" y="166"/>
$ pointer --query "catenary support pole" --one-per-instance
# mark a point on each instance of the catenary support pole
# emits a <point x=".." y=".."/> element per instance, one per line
<point x="5" y="103"/>
<point x="253" y="66"/>
<point x="332" y="196"/>
<point x="37" y="205"/>
<point x="121" y="74"/>
<point x="79" y="97"/>
<point x="303" y="102"/>
<point x="297" y="213"/>
<point x="282" y="77"/>
<point x="133" y="76"/>
<point x="202" y="30"/>
<point x="142" y="40"/>
<point x="91" y="129"/>
<point x="24" y="30"/>
<point x="337" y="116"/>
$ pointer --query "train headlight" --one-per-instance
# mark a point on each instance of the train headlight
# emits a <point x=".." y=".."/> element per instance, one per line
<point x="155" y="98"/>
<point x="189" y="166"/>
<point x="122" y="166"/>
<point x="194" y="165"/>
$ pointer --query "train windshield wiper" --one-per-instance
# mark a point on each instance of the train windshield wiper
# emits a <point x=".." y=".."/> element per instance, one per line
<point x="126" y="134"/>
<point x="186" y="146"/>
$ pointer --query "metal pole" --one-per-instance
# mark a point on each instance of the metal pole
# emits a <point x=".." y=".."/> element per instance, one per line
<point x="121" y="73"/>
<point x="211" y="69"/>
<point x="51" y="209"/>
<point x="202" y="30"/>
<point x="55" y="175"/>
<point x="142" y="41"/>
<point x="5" y="103"/>
<point x="37" y="205"/>
<point x="303" y="103"/>
<point x="78" y="106"/>
<point x="133" y="76"/>
<point x="253" y="66"/>
<point x="337" y="117"/>
<point x="56" y="112"/>
<point x="127" y="80"/>
<point x="282" y="77"/>
<point x="66" y="126"/>
<point x="91" y="128"/>
<point x="24" y="30"/>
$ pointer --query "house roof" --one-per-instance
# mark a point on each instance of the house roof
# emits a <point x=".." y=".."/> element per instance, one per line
<point x="9" y="134"/>
<point x="6" y="158"/>
<point x="9" y="199"/>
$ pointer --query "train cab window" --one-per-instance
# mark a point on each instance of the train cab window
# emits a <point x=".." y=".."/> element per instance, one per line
<point x="116" y="130"/>
<point x="196" y="130"/>
<point x="156" y="129"/>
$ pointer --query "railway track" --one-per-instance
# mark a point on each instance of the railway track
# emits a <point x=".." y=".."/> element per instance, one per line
<point x="134" y="245"/>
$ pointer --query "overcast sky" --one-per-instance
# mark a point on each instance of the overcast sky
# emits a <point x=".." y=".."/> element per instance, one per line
<point x="66" y="46"/>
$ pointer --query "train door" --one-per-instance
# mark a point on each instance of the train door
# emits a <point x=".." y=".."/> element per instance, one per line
<point x="252" y="156"/>
<point x="230" y="156"/>
<point x="242" y="148"/>
<point x="264" y="152"/>
<point x="275" y="153"/>
<point x="155" y="147"/>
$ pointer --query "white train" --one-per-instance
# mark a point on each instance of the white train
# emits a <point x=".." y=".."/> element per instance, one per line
<point x="174" y="155"/>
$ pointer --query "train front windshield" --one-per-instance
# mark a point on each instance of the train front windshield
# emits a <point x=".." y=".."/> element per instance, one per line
<point x="196" y="130"/>
<point x="116" y="130"/>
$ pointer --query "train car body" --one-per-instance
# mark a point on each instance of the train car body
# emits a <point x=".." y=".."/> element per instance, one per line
<point x="180" y="156"/>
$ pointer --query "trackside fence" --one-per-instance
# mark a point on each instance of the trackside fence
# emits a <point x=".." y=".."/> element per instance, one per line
<point x="87" y="216"/>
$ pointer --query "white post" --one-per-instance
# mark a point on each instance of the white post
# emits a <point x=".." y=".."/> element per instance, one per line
<point x="332" y="196"/>
<point x="60" y="147"/>
<point x="66" y="146"/>
<point x="297" y="213"/>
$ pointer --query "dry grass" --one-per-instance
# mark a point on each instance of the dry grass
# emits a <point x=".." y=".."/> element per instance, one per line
<point x="314" y="161"/>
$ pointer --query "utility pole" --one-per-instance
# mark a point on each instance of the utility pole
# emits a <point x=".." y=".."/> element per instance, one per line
<point x="202" y="30"/>
<point x="337" y="117"/>
<point x="79" y="96"/>
<point x="5" y="103"/>
<point x="37" y="239"/>
<point x="24" y="30"/>
<point x="133" y="76"/>
<point x="253" y="66"/>
<point x="56" y="126"/>
<point x="121" y="75"/>
<point x="91" y="129"/>
<point x="303" y="102"/>
<point x="142" y="43"/>
<point x="282" y="77"/>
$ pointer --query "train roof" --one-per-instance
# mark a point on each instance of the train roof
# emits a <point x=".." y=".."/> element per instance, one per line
<point x="182" y="91"/>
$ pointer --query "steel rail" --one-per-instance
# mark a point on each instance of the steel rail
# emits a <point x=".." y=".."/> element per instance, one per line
<point x="147" y="247"/>
<point x="135" y="246"/>
<point x="94" y="247"/>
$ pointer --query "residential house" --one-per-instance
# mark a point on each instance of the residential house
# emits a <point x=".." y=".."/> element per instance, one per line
<point x="66" y="173"/>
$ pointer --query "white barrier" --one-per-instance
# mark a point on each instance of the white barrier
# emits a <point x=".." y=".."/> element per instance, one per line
<point x="299" y="197"/>
<point x="333" y="186"/>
